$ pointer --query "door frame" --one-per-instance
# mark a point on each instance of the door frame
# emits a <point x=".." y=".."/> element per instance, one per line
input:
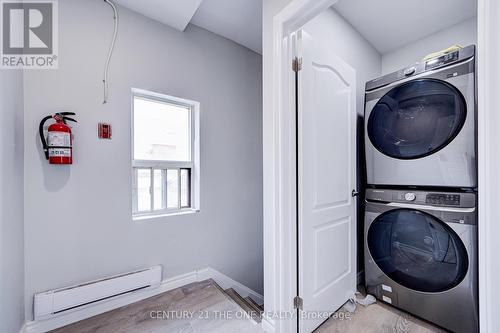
<point x="280" y="223"/>
<point x="280" y="267"/>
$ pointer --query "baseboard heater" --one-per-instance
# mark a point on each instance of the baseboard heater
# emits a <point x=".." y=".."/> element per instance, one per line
<point x="58" y="301"/>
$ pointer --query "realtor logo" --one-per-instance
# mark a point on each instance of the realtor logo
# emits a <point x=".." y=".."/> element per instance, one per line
<point x="29" y="34"/>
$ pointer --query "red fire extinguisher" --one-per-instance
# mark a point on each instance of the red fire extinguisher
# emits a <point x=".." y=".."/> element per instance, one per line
<point x="58" y="146"/>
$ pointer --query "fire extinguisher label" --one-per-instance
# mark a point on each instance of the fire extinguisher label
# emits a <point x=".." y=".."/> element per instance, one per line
<point x="59" y="139"/>
<point x="59" y="152"/>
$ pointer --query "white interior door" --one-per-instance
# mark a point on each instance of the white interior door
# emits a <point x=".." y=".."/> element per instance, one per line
<point x="327" y="177"/>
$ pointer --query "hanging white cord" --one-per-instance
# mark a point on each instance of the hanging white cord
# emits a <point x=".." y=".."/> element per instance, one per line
<point x="105" y="81"/>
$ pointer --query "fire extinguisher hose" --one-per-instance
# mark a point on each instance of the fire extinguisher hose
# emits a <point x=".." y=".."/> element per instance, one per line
<point x="42" y="136"/>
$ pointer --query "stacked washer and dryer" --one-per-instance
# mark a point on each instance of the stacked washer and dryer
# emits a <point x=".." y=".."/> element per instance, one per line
<point x="420" y="213"/>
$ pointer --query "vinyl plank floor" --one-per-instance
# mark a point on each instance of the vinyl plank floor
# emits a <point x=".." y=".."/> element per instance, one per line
<point x="203" y="307"/>
<point x="376" y="318"/>
<point x="196" y="308"/>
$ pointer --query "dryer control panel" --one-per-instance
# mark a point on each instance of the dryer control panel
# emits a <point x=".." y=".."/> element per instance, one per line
<point x="430" y="65"/>
<point x="440" y="61"/>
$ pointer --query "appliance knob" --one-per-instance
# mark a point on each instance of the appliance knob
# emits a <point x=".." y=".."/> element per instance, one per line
<point x="409" y="71"/>
<point x="410" y="196"/>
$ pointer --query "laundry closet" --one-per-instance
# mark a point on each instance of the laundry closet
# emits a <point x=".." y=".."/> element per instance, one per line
<point x="386" y="123"/>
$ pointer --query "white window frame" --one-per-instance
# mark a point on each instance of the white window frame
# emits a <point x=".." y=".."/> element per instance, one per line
<point x="193" y="166"/>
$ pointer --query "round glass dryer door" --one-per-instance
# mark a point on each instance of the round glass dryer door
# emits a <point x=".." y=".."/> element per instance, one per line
<point x="417" y="250"/>
<point x="417" y="118"/>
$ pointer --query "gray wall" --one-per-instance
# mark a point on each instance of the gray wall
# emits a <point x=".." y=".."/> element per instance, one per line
<point x="78" y="219"/>
<point x="464" y="33"/>
<point x="11" y="202"/>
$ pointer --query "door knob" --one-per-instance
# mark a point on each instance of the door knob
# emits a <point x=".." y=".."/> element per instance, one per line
<point x="354" y="193"/>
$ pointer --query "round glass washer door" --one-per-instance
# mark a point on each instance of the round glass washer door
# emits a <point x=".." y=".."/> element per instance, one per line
<point x="417" y="250"/>
<point x="416" y="119"/>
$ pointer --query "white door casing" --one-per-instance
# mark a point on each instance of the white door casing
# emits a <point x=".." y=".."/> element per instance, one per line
<point x="327" y="177"/>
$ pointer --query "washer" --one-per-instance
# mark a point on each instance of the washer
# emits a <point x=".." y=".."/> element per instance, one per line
<point x="420" y="124"/>
<point x="421" y="254"/>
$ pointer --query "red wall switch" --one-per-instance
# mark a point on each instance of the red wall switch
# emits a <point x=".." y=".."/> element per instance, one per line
<point x="104" y="131"/>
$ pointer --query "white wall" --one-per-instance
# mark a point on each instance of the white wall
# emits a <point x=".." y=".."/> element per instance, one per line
<point x="464" y="33"/>
<point x="11" y="202"/>
<point x="78" y="218"/>
<point x="489" y="164"/>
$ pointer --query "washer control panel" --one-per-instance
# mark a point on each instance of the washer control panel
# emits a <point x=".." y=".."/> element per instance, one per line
<point x="417" y="197"/>
<point x="443" y="199"/>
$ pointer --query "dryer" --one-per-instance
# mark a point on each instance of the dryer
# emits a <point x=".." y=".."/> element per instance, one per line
<point x="420" y="124"/>
<point x="421" y="254"/>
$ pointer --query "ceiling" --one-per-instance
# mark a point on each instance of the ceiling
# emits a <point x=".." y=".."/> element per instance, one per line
<point x="389" y="24"/>
<point x="174" y="13"/>
<point x="237" y="20"/>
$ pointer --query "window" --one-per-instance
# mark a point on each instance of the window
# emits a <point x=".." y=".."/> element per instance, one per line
<point x="165" y="154"/>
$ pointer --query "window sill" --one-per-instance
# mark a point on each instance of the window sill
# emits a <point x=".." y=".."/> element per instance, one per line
<point x="151" y="216"/>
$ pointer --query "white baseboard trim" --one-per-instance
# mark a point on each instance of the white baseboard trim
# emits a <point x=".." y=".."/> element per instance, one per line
<point x="226" y="282"/>
<point x="42" y="326"/>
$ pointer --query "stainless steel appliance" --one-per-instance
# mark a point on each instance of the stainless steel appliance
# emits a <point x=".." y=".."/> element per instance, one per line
<point x="420" y="254"/>
<point x="420" y="124"/>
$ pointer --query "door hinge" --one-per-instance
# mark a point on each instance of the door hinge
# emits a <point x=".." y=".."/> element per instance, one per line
<point x="297" y="64"/>
<point x="298" y="303"/>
